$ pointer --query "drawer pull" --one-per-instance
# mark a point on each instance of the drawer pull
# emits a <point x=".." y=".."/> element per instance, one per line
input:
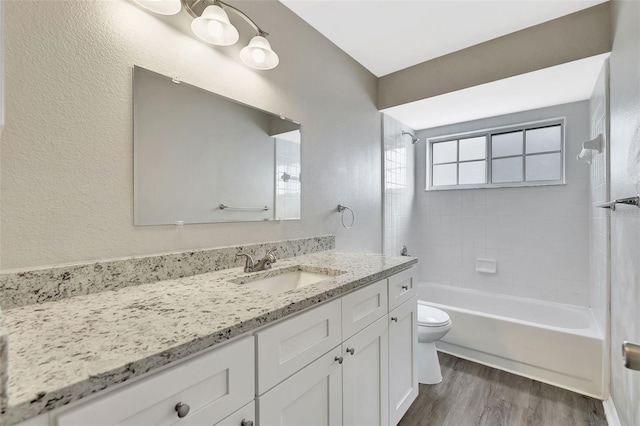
<point x="351" y="350"/>
<point x="405" y="287"/>
<point x="395" y="319"/>
<point x="246" y="422"/>
<point x="182" y="409"/>
<point x="339" y="359"/>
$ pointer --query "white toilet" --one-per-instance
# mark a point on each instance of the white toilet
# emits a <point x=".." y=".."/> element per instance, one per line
<point x="433" y="324"/>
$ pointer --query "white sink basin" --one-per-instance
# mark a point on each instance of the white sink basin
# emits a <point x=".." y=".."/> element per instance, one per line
<point x="287" y="281"/>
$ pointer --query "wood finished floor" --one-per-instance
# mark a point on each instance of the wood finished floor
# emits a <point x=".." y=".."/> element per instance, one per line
<point x="475" y="395"/>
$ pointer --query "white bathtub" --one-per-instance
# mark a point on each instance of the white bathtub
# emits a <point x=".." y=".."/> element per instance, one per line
<point x="553" y="343"/>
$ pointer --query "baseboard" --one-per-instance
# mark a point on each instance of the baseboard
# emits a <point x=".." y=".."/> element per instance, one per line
<point x="611" y="413"/>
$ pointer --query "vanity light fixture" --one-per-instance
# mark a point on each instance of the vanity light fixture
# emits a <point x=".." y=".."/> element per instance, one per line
<point x="259" y="55"/>
<point x="211" y="24"/>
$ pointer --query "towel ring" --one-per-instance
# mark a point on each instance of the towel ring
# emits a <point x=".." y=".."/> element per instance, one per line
<point x="341" y="210"/>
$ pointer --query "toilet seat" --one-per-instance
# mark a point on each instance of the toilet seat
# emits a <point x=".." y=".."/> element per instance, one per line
<point x="432" y="317"/>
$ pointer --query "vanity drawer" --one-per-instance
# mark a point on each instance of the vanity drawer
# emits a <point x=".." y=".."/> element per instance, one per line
<point x="402" y="287"/>
<point x="214" y="385"/>
<point x="288" y="346"/>
<point x="363" y="307"/>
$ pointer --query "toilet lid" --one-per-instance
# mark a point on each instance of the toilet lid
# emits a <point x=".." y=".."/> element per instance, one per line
<point x="431" y="316"/>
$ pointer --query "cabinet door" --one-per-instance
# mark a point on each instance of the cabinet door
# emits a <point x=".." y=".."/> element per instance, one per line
<point x="403" y="366"/>
<point x="312" y="396"/>
<point x="365" y="374"/>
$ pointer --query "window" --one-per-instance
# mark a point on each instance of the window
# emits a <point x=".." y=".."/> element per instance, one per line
<point x="521" y="155"/>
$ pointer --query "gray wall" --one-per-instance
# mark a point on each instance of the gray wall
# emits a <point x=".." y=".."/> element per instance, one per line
<point x="625" y="222"/>
<point x="67" y="166"/>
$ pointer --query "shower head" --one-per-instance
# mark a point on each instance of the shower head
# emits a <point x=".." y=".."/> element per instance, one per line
<point x="413" y="138"/>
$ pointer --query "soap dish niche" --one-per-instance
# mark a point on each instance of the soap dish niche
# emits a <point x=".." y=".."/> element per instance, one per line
<point x="486" y="266"/>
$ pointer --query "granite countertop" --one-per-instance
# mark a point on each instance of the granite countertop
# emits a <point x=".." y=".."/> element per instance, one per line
<point x="65" y="350"/>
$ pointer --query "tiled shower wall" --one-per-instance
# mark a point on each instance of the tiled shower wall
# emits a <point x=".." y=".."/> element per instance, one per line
<point x="599" y="218"/>
<point x="399" y="189"/>
<point x="538" y="235"/>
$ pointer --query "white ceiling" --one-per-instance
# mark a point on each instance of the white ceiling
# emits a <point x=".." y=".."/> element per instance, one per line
<point x="389" y="35"/>
<point x="570" y="82"/>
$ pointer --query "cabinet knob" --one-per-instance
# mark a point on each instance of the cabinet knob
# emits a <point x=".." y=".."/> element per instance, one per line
<point x="182" y="409"/>
<point x="339" y="359"/>
<point x="246" y="422"/>
<point x="405" y="287"/>
<point x="351" y="350"/>
<point x="394" y="319"/>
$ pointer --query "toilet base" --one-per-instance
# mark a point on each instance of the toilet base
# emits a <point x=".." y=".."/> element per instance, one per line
<point x="428" y="364"/>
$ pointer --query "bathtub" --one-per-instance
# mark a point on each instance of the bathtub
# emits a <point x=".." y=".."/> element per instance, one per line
<point x="553" y="343"/>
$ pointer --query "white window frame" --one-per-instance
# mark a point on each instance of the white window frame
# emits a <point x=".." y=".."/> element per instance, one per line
<point x="488" y="157"/>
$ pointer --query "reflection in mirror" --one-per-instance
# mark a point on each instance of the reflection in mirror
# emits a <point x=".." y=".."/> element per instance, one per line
<point x="200" y="157"/>
<point x="288" y="175"/>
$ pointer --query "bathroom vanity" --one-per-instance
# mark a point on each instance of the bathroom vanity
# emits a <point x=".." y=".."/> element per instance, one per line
<point x="210" y="350"/>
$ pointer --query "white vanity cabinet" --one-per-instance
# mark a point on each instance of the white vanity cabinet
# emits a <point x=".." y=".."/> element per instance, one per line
<point x="209" y="388"/>
<point x="403" y="362"/>
<point x="351" y="361"/>
<point x="369" y="379"/>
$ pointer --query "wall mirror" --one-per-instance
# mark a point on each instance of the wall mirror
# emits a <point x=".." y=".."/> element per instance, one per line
<point x="200" y="157"/>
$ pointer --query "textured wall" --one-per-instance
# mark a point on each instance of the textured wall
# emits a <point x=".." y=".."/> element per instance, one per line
<point x="625" y="222"/>
<point x="538" y="235"/>
<point x="67" y="166"/>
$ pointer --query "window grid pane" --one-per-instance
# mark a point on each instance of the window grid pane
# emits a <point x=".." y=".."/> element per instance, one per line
<point x="544" y="139"/>
<point x="507" y="144"/>
<point x="472" y="172"/>
<point x="445" y="152"/>
<point x="445" y="174"/>
<point x="504" y="170"/>
<point x="472" y="148"/>
<point x="544" y="167"/>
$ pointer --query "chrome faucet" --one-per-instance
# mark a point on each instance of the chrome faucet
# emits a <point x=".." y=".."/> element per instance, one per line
<point x="263" y="264"/>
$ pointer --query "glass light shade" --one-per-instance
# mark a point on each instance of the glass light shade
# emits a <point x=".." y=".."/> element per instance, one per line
<point x="259" y="55"/>
<point x="213" y="26"/>
<point x="162" y="7"/>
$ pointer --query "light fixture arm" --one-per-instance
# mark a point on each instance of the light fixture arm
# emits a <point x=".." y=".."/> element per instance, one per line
<point x="189" y="5"/>
<point x="244" y="16"/>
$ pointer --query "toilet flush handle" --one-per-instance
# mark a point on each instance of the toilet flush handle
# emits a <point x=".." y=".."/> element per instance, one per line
<point x="395" y="319"/>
